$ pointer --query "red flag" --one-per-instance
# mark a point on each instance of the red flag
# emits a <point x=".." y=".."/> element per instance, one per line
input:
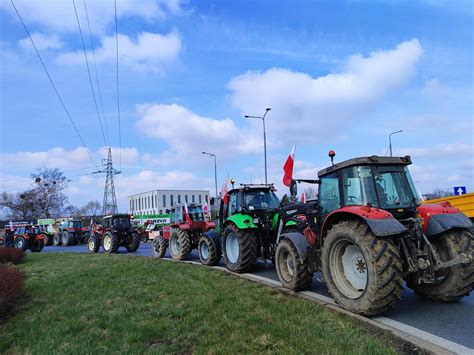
<point x="225" y="189"/>
<point x="186" y="214"/>
<point x="288" y="167"/>
<point x="303" y="197"/>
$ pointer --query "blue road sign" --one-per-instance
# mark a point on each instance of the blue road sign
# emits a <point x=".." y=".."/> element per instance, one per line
<point x="459" y="190"/>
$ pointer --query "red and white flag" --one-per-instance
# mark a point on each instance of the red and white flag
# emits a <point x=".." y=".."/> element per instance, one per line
<point x="303" y="197"/>
<point x="205" y="209"/>
<point x="225" y="189"/>
<point x="186" y="214"/>
<point x="288" y="167"/>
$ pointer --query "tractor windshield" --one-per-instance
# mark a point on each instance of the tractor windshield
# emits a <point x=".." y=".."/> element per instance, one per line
<point x="261" y="200"/>
<point x="196" y="213"/>
<point x="387" y="187"/>
<point x="121" y="222"/>
<point x="77" y="224"/>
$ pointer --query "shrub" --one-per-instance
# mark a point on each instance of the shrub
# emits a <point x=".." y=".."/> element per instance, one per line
<point x="12" y="288"/>
<point x="11" y="255"/>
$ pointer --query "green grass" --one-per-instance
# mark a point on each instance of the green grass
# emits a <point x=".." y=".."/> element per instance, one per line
<point x="112" y="303"/>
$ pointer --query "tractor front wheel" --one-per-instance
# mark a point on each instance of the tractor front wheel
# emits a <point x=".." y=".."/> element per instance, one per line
<point x="453" y="283"/>
<point x="180" y="244"/>
<point x="111" y="243"/>
<point x="68" y="239"/>
<point x="159" y="246"/>
<point x="292" y="272"/>
<point x="208" y="251"/>
<point x="363" y="272"/>
<point x="133" y="242"/>
<point x="38" y="246"/>
<point x="93" y="244"/>
<point x="21" y="243"/>
<point x="57" y="239"/>
<point x="240" y="249"/>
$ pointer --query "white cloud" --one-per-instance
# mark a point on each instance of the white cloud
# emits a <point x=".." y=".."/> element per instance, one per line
<point x="301" y="103"/>
<point x="42" y="42"/>
<point x="188" y="133"/>
<point x="434" y="88"/>
<point x="445" y="150"/>
<point x="58" y="15"/>
<point x="147" y="52"/>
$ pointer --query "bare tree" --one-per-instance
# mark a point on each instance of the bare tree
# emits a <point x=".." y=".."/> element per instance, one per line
<point x="91" y="208"/>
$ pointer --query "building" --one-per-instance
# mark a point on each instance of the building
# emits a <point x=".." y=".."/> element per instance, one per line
<point x="153" y="204"/>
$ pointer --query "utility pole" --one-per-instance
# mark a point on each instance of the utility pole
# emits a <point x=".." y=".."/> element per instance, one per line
<point x="215" y="167"/>
<point x="109" y="204"/>
<point x="390" y="140"/>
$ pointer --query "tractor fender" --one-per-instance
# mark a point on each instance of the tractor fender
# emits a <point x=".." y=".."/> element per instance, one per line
<point x="242" y="221"/>
<point x="380" y="222"/>
<point x="440" y="217"/>
<point x="215" y="237"/>
<point x="300" y="242"/>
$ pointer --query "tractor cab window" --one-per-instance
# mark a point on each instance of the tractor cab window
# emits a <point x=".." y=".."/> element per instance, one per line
<point x="77" y="224"/>
<point x="358" y="186"/>
<point x="20" y="230"/>
<point x="261" y="200"/>
<point x="393" y="188"/>
<point x="177" y="215"/>
<point x="329" y="199"/>
<point x="196" y="213"/>
<point x="121" y="222"/>
<point x="233" y="207"/>
<point x="35" y="230"/>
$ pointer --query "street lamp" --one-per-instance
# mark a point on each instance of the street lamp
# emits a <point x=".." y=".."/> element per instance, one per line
<point x="390" y="140"/>
<point x="215" y="167"/>
<point x="264" y="139"/>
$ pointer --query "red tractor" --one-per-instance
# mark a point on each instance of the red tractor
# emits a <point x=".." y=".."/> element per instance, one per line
<point x="28" y="237"/>
<point x="185" y="233"/>
<point x="117" y="231"/>
<point x="71" y="233"/>
<point x="367" y="232"/>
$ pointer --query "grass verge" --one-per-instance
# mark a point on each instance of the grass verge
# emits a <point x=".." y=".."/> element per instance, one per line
<point x="116" y="303"/>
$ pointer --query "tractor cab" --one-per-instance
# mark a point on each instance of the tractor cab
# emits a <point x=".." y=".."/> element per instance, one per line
<point x="195" y="212"/>
<point x="120" y="222"/>
<point x="379" y="182"/>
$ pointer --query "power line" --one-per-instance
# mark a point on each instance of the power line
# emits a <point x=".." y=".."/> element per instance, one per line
<point x="97" y="74"/>
<point x="118" y="96"/>
<point x="52" y="84"/>
<point x="89" y="72"/>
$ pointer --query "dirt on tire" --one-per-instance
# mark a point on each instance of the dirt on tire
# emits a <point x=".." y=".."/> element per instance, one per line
<point x="160" y="245"/>
<point x="299" y="277"/>
<point x="184" y="242"/>
<point x="247" y="249"/>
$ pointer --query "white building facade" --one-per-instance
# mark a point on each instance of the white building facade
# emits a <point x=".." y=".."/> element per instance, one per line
<point x="153" y="204"/>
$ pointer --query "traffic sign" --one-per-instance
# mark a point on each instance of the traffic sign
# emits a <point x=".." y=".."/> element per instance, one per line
<point x="459" y="190"/>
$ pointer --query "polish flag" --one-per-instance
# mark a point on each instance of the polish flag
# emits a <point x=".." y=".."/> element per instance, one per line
<point x="303" y="197"/>
<point x="205" y="209"/>
<point x="186" y="214"/>
<point x="225" y="189"/>
<point x="288" y="167"/>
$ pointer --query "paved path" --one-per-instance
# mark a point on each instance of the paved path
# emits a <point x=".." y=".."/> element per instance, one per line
<point x="452" y="323"/>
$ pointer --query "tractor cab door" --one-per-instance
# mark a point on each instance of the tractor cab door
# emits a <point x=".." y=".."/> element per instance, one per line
<point x="329" y="195"/>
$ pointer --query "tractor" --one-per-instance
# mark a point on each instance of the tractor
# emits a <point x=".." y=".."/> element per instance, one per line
<point x="116" y="231"/>
<point x="28" y="237"/>
<point x="187" y="231"/>
<point x="367" y="232"/>
<point x="71" y="233"/>
<point x="248" y="221"/>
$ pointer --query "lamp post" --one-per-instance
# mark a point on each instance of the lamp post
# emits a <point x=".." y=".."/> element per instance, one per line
<point x="390" y="140"/>
<point x="264" y="139"/>
<point x="215" y="167"/>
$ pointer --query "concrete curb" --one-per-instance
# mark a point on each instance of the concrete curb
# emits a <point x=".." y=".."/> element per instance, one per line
<point x="416" y="343"/>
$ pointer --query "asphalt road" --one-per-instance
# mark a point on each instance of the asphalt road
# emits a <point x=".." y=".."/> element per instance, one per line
<point x="450" y="321"/>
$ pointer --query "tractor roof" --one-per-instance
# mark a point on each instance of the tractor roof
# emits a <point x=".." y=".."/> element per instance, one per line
<point x="248" y="187"/>
<point x="372" y="160"/>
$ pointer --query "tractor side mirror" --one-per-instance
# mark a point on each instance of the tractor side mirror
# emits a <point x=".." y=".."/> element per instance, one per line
<point x="293" y="188"/>
<point x="212" y="201"/>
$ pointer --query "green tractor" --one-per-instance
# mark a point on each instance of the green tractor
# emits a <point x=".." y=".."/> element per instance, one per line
<point x="248" y="221"/>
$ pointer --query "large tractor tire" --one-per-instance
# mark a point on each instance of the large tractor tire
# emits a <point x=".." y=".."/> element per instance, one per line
<point x="180" y="244"/>
<point x="453" y="283"/>
<point x="68" y="239"/>
<point x="293" y="274"/>
<point x="363" y="272"/>
<point x="21" y="243"/>
<point x="133" y="243"/>
<point x="38" y="246"/>
<point x="57" y="239"/>
<point x="159" y="246"/>
<point x="111" y="242"/>
<point x="48" y="240"/>
<point x="239" y="249"/>
<point x="93" y="244"/>
<point x="208" y="251"/>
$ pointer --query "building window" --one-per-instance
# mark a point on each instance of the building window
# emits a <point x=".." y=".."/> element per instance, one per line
<point x="156" y="201"/>
<point x="186" y="198"/>
<point x="152" y="202"/>
<point x="139" y="204"/>
<point x="164" y="201"/>
<point x="193" y="198"/>
<point x="161" y="211"/>
<point x="207" y="198"/>
<point x="171" y="200"/>
<point x="179" y="198"/>
<point x="200" y="199"/>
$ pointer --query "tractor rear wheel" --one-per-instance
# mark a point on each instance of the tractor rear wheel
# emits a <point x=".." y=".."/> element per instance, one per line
<point x="48" y="240"/>
<point x="453" y="283"/>
<point x="38" y="246"/>
<point x="239" y="249"/>
<point x="293" y="274"/>
<point x="159" y="246"/>
<point x="133" y="243"/>
<point x="57" y="239"/>
<point x="208" y="251"/>
<point x="93" y="244"/>
<point x="180" y="244"/>
<point x="21" y="243"/>
<point x="363" y="272"/>
<point x="111" y="242"/>
<point x="68" y="239"/>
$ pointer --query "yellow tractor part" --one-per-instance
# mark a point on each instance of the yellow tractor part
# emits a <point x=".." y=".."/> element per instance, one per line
<point x="465" y="203"/>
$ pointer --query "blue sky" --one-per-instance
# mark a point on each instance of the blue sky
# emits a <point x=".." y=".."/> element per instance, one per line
<point x="338" y="75"/>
